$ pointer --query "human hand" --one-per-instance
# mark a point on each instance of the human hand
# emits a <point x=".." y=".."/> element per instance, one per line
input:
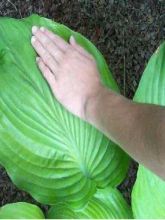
<point x="70" y="71"/>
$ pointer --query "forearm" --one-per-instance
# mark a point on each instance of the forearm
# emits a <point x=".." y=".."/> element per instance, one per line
<point x="131" y="125"/>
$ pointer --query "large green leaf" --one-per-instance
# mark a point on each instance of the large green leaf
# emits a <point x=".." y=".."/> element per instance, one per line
<point x="148" y="197"/>
<point x="21" y="210"/>
<point x="46" y="150"/>
<point x="105" y="204"/>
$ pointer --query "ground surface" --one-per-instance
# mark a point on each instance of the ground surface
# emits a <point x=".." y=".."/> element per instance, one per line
<point x="126" y="32"/>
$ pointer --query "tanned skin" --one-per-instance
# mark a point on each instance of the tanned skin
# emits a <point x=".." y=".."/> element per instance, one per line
<point x="73" y="77"/>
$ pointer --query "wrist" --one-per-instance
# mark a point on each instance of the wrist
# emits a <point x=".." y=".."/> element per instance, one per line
<point x="91" y="102"/>
<point x="96" y="105"/>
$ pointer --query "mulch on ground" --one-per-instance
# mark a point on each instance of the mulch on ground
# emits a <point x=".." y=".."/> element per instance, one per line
<point x="126" y="32"/>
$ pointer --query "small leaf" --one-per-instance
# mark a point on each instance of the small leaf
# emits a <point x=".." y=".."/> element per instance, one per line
<point x="21" y="210"/>
<point x="46" y="150"/>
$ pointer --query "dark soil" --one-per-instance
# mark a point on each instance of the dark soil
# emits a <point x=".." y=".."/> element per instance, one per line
<point x="126" y="31"/>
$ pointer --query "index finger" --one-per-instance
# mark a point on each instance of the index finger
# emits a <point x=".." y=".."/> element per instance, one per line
<point x="62" y="44"/>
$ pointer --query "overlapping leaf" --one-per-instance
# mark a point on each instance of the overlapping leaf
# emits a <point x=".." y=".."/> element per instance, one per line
<point x="148" y="197"/>
<point x="46" y="150"/>
<point x="105" y="204"/>
<point x="21" y="210"/>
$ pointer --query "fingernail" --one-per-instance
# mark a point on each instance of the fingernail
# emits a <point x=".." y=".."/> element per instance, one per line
<point x="33" y="39"/>
<point x="72" y="40"/>
<point x="42" y="29"/>
<point x="34" y="29"/>
<point x="37" y="59"/>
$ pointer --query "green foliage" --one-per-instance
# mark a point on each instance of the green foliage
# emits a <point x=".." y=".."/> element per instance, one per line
<point x="46" y="150"/>
<point x="21" y="210"/>
<point x="56" y="157"/>
<point x="148" y="197"/>
<point x="105" y="204"/>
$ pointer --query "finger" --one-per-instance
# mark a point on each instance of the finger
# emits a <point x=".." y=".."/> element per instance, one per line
<point x="48" y="44"/>
<point x="62" y="44"/>
<point x="44" y="54"/>
<point x="79" y="48"/>
<point x="48" y="75"/>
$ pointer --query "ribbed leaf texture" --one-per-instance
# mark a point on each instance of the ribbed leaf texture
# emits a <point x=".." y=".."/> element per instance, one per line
<point x="46" y="150"/>
<point x="21" y="210"/>
<point x="148" y="197"/>
<point x="105" y="204"/>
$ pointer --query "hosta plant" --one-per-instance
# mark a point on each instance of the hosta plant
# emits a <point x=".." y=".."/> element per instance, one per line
<point x="105" y="204"/>
<point x="47" y="151"/>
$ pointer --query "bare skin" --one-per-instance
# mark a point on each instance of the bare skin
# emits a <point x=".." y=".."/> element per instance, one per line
<point x="74" y="79"/>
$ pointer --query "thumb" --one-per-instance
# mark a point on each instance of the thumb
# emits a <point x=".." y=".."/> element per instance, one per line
<point x="72" y="41"/>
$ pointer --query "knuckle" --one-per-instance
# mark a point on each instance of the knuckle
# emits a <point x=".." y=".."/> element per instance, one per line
<point x="71" y="51"/>
<point x="49" y="45"/>
<point x="45" y="56"/>
<point x="69" y="56"/>
<point x="36" y="43"/>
